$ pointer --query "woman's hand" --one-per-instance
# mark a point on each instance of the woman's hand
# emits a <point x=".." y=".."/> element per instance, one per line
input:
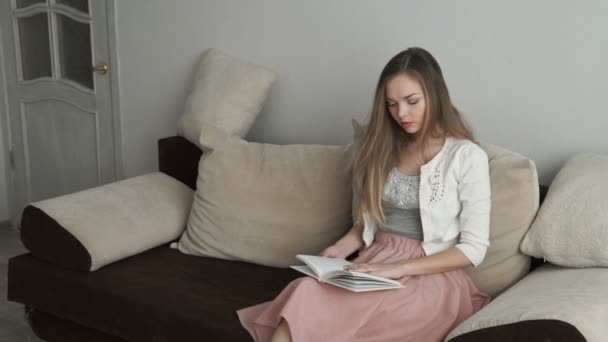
<point x="346" y="245"/>
<point x="334" y="251"/>
<point x="393" y="270"/>
<point x="446" y="261"/>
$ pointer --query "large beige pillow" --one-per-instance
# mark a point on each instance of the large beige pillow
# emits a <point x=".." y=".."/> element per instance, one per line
<point x="227" y="93"/>
<point x="572" y="225"/>
<point x="515" y="198"/>
<point x="264" y="203"/>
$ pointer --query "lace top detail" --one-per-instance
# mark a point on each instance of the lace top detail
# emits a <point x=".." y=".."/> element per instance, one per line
<point x="401" y="205"/>
<point x="402" y="191"/>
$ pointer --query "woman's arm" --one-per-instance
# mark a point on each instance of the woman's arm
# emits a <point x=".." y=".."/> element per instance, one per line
<point x="475" y="197"/>
<point x="448" y="260"/>
<point x="344" y="247"/>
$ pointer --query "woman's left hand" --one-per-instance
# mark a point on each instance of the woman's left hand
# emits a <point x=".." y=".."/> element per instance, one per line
<point x="393" y="270"/>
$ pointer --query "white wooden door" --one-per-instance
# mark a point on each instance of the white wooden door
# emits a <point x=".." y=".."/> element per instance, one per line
<point x="62" y="129"/>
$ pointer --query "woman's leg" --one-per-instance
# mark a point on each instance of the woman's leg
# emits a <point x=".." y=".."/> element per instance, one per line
<point x="282" y="333"/>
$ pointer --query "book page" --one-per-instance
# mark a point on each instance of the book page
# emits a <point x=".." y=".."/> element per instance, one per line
<point x="356" y="287"/>
<point x="306" y="270"/>
<point x="322" y="265"/>
<point x="331" y="270"/>
<point x="362" y="277"/>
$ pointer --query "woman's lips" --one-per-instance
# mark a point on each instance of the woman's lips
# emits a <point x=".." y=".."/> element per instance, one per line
<point x="407" y="124"/>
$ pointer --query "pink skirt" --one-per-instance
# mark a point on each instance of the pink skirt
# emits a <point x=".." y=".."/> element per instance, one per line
<point x="426" y="309"/>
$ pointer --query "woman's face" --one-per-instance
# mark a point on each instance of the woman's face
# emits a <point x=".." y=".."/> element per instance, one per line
<point x="405" y="102"/>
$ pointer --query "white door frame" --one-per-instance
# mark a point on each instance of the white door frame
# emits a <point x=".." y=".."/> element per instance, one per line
<point x="15" y="217"/>
<point x="5" y="135"/>
<point x="112" y="34"/>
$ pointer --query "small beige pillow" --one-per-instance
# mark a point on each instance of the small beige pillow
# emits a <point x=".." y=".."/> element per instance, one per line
<point x="226" y="93"/>
<point x="515" y="197"/>
<point x="572" y="225"/>
<point x="264" y="203"/>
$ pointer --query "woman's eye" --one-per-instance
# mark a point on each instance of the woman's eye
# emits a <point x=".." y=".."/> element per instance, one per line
<point x="389" y="104"/>
<point x="412" y="102"/>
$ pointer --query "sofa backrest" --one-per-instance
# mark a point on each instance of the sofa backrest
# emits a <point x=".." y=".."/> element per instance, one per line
<point x="179" y="158"/>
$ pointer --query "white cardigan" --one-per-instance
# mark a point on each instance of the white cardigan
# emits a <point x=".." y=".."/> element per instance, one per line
<point x="454" y="201"/>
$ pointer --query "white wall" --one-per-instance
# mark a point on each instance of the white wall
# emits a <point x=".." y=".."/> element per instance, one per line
<point x="529" y="76"/>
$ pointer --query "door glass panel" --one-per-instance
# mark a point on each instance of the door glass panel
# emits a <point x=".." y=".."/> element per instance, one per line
<point x="35" y="47"/>
<point x="25" y="3"/>
<point x="81" y="5"/>
<point x="75" y="50"/>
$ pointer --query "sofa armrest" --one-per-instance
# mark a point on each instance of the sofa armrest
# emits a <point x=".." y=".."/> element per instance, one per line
<point x="178" y="158"/>
<point x="550" y="304"/>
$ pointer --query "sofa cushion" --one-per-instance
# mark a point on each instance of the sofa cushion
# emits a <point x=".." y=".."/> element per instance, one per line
<point x="264" y="203"/>
<point x="572" y="225"/>
<point x="227" y="93"/>
<point x="159" y="295"/>
<point x="574" y="296"/>
<point x="92" y="228"/>
<point x="515" y="197"/>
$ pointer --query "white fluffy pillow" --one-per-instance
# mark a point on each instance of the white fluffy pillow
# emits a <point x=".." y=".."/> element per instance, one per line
<point x="571" y="228"/>
<point x="227" y="93"/>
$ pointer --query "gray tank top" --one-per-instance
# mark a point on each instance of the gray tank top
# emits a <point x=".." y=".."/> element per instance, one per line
<point x="401" y="205"/>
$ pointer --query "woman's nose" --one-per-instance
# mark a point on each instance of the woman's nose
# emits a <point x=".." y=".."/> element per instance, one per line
<point x="403" y="111"/>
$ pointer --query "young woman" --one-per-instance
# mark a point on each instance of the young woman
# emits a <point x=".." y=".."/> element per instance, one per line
<point x="422" y="190"/>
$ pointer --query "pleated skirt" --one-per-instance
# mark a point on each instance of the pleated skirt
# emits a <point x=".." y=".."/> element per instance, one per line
<point x="427" y="308"/>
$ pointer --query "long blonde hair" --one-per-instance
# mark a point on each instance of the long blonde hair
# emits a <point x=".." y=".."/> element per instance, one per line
<point x="379" y="147"/>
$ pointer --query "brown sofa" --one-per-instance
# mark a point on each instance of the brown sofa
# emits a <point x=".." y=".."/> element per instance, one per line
<point x="164" y="295"/>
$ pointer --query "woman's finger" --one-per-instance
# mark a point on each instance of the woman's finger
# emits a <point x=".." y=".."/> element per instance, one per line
<point x="353" y="267"/>
<point x="360" y="267"/>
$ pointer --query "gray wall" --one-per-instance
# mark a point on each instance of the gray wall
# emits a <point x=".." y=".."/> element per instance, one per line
<point x="529" y="75"/>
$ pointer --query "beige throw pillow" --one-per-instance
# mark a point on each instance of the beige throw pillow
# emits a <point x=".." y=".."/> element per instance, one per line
<point x="572" y="225"/>
<point x="264" y="203"/>
<point x="226" y="93"/>
<point x="515" y="197"/>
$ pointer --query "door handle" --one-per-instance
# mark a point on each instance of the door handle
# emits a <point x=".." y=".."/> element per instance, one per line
<point x="101" y="68"/>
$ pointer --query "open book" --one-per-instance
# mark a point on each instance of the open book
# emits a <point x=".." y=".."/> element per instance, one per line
<point x="331" y="271"/>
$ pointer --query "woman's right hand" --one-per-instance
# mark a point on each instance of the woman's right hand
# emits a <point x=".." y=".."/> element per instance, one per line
<point x="334" y="251"/>
<point x="345" y="246"/>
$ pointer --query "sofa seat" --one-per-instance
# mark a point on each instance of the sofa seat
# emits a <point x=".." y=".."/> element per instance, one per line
<point x="159" y="295"/>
